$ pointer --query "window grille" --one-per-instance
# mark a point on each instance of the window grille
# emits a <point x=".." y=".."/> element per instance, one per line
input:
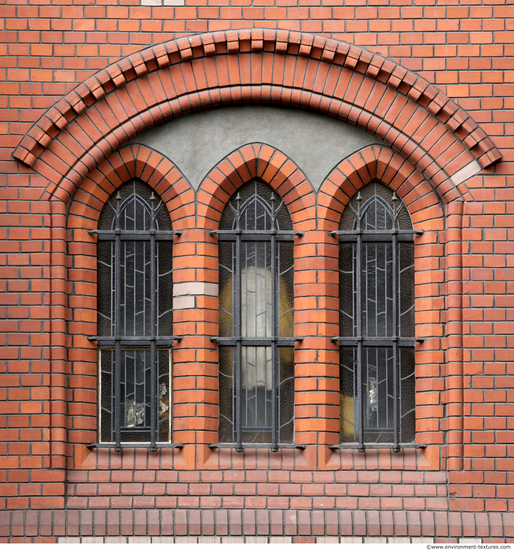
<point x="376" y="266"/>
<point x="256" y="320"/>
<point x="135" y="320"/>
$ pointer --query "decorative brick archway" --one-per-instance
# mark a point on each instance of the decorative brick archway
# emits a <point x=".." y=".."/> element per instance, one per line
<point x="257" y="66"/>
<point x="381" y="164"/>
<point x="261" y="161"/>
<point x="82" y="215"/>
<point x="77" y="147"/>
<point x="136" y="161"/>
<point x="429" y="213"/>
<point x="257" y="160"/>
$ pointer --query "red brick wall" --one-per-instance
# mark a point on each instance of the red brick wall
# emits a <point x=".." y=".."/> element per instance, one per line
<point x="464" y="261"/>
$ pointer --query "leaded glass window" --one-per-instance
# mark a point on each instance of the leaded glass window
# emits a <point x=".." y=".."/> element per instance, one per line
<point x="135" y="319"/>
<point x="256" y="320"/>
<point x="376" y="266"/>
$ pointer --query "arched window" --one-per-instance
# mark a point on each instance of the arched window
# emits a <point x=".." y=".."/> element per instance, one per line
<point x="256" y="320"/>
<point x="376" y="265"/>
<point x="135" y="319"/>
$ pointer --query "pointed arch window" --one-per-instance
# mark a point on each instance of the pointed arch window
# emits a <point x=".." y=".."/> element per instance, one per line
<point x="135" y="320"/>
<point x="376" y="266"/>
<point x="256" y="320"/>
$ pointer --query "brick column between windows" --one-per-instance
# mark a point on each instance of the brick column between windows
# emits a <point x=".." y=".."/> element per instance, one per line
<point x="195" y="357"/>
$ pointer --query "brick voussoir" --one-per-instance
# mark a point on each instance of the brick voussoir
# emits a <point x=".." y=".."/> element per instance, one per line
<point x="116" y="76"/>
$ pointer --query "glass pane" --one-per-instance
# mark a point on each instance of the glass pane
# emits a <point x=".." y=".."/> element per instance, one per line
<point x="128" y="192"/>
<point x="377" y="215"/>
<point x="135" y="388"/>
<point x="165" y="288"/>
<point x="104" y="289"/>
<point x="226" y="315"/>
<point x="135" y="256"/>
<point x="106" y="396"/>
<point x="256" y="214"/>
<point x="226" y="394"/>
<point x="347" y="290"/>
<point x="378" y="388"/>
<point x="377" y="206"/>
<point x="407" y="326"/>
<point x="408" y="395"/>
<point x="263" y="436"/>
<point x="257" y="385"/>
<point x="376" y="397"/>
<point x="348" y="401"/>
<point x="256" y="290"/>
<point x="135" y="402"/>
<point x="286" y="434"/>
<point x="135" y="295"/>
<point x="165" y="396"/>
<point x="377" y="290"/>
<point x="135" y="399"/>
<point x="285" y="263"/>
<point x="135" y="215"/>
<point x="264" y="191"/>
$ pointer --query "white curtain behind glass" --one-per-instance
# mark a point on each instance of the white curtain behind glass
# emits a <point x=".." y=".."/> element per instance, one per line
<point x="256" y="322"/>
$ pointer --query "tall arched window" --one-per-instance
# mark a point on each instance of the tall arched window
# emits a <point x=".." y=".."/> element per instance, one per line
<point x="135" y="319"/>
<point x="256" y="320"/>
<point x="376" y="265"/>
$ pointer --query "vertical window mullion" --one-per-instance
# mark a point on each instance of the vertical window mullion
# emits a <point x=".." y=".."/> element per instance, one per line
<point x="360" y="351"/>
<point x="275" y="332"/>
<point x="117" y="335"/>
<point x="153" y="321"/>
<point x="238" y="330"/>
<point x="395" y="334"/>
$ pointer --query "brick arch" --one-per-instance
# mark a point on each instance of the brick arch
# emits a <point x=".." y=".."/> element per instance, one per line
<point x="257" y="160"/>
<point x="261" y="161"/>
<point x="376" y="163"/>
<point x="258" y="66"/>
<point x="84" y="210"/>
<point x="136" y="161"/>
<point x="427" y="209"/>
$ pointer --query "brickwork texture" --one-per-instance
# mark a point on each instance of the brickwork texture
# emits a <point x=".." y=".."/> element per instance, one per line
<point x="434" y="81"/>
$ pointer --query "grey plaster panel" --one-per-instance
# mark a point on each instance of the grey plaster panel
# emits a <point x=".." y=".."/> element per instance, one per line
<point x="196" y="142"/>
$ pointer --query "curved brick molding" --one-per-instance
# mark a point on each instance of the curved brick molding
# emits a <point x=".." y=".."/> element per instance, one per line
<point x="164" y="177"/>
<point x="136" y="161"/>
<point x="261" y="161"/>
<point x="257" y="160"/>
<point x="379" y="163"/>
<point x="260" y="66"/>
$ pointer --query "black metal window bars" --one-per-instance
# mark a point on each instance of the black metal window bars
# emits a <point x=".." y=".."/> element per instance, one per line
<point x="264" y="346"/>
<point x="134" y="358"/>
<point x="376" y="349"/>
